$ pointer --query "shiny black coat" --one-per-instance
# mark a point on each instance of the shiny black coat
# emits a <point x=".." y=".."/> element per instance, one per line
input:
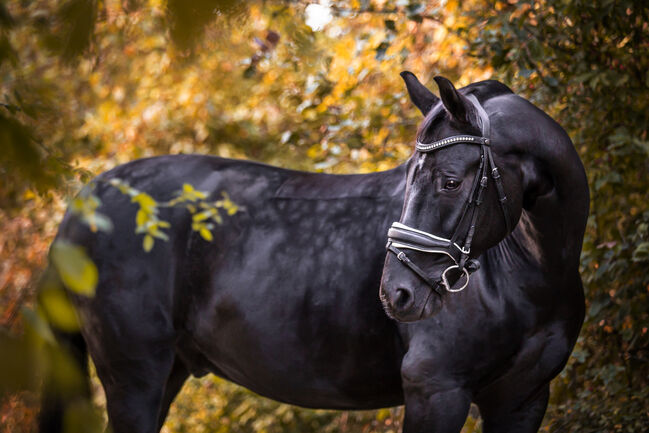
<point x="285" y="299"/>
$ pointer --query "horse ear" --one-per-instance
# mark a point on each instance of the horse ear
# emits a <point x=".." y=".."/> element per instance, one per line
<point x="455" y="103"/>
<point x="423" y="98"/>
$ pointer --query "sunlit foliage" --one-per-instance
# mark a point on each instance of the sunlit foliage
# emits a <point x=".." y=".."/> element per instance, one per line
<point x="86" y="85"/>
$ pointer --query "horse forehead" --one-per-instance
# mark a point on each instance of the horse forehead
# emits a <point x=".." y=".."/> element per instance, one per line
<point x="438" y="129"/>
<point x="453" y="158"/>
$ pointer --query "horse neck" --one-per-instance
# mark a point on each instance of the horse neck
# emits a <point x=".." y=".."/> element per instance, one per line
<point x="549" y="235"/>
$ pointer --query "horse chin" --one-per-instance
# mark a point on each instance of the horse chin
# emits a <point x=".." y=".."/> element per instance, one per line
<point x="433" y="305"/>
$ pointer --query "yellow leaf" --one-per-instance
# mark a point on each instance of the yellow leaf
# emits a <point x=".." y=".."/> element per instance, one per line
<point x="206" y="234"/>
<point x="147" y="244"/>
<point x="141" y="217"/>
<point x="29" y="195"/>
<point x="232" y="208"/>
<point x="58" y="309"/>
<point x="158" y="234"/>
<point x="202" y="215"/>
<point x="145" y="201"/>
<point x="76" y="270"/>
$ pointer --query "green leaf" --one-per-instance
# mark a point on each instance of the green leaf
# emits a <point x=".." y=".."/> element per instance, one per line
<point x="82" y="417"/>
<point x="37" y="325"/>
<point x="76" y="270"/>
<point x="18" y="370"/>
<point x="597" y="306"/>
<point x="99" y="222"/>
<point x="641" y="253"/>
<point x="525" y="73"/>
<point x="78" y="18"/>
<point x="59" y="310"/>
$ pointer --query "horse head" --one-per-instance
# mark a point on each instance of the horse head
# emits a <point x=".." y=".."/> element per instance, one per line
<point x="466" y="186"/>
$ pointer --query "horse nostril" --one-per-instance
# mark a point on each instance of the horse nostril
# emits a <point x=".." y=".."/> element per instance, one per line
<point x="403" y="299"/>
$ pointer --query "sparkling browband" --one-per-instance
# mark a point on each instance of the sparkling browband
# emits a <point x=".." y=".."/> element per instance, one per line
<point x="455" y="139"/>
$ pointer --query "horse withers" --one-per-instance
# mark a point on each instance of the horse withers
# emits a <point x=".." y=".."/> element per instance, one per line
<point x="480" y="275"/>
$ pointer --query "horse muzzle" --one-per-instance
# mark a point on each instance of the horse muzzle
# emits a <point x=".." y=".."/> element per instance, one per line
<point x="402" y="237"/>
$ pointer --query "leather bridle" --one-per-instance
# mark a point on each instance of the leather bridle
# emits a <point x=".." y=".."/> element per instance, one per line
<point x="402" y="237"/>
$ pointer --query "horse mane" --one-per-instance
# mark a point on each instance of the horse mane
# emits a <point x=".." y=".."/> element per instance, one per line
<point x="487" y="89"/>
<point x="483" y="90"/>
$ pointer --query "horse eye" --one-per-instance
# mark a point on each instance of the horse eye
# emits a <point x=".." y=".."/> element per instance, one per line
<point x="451" y="184"/>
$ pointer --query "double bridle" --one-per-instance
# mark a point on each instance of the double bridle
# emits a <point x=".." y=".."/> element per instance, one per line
<point x="401" y="237"/>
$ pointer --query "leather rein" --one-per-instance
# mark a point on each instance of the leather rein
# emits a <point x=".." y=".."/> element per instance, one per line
<point x="402" y="237"/>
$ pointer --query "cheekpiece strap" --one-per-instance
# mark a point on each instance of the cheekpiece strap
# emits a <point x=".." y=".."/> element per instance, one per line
<point x="449" y="141"/>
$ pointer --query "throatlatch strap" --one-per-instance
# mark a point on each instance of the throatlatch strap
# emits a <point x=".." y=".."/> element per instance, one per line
<point x="502" y="197"/>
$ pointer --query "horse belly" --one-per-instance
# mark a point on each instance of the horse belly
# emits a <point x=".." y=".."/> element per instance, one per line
<point x="287" y="341"/>
<point x="310" y="375"/>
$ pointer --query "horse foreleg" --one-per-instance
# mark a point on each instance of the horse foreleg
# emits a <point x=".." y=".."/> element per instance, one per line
<point x="174" y="383"/>
<point x="523" y="418"/>
<point x="438" y="412"/>
<point x="135" y="388"/>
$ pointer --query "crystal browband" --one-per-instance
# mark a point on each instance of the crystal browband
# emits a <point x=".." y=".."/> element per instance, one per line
<point x="455" y="139"/>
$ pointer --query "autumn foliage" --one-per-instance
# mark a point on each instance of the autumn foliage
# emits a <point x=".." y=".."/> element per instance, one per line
<point x="87" y="85"/>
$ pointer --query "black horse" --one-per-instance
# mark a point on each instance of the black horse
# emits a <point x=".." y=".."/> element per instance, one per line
<point x="284" y="300"/>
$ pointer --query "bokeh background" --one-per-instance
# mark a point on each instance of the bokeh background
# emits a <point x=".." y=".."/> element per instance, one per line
<point x="86" y="85"/>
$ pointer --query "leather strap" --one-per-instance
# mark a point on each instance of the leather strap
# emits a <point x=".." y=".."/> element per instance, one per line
<point x="502" y="197"/>
<point x="403" y="258"/>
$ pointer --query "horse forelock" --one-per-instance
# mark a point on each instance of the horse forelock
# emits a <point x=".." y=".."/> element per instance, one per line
<point x="434" y="116"/>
